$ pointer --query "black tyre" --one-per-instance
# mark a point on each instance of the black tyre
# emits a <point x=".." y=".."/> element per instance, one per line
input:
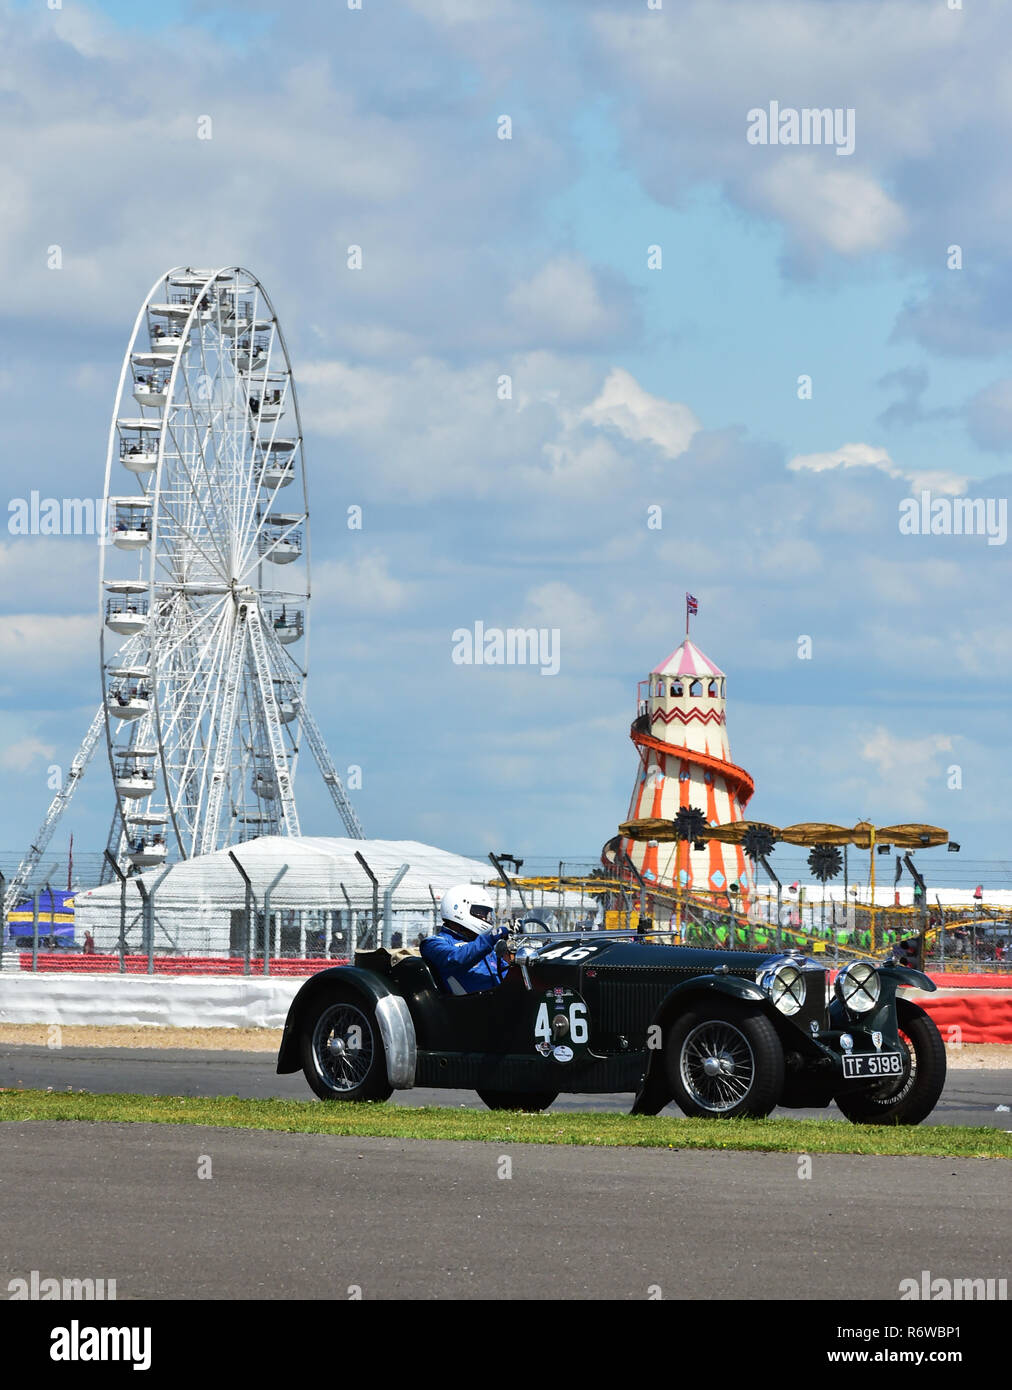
<point x="911" y="1097"/>
<point x="724" y="1060"/>
<point x="531" y="1101"/>
<point x="342" y="1051"/>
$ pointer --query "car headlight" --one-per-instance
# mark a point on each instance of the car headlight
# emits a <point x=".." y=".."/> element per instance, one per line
<point x="785" y="985"/>
<point x="858" y="987"/>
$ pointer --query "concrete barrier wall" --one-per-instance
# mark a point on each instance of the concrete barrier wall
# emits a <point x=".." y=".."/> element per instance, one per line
<point x="159" y="1001"/>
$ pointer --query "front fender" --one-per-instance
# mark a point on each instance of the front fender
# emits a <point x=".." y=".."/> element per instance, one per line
<point x="908" y="978"/>
<point x="397" y="1030"/>
<point x="733" y="985"/>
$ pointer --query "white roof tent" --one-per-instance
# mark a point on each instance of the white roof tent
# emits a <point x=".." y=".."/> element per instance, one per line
<point x="197" y="903"/>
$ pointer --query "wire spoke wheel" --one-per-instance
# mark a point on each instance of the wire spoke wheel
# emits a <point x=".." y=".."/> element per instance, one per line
<point x="717" y="1066"/>
<point x="724" y="1060"/>
<point x="343" y="1047"/>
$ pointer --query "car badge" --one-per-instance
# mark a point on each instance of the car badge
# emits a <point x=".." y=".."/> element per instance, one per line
<point x="846" y="1042"/>
<point x="544" y="1048"/>
<point x="814" y="1025"/>
<point x="562" y="1053"/>
<point x="591" y="974"/>
<point x="877" y="1039"/>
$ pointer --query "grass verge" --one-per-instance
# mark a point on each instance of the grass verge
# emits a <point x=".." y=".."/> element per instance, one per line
<point x="780" y="1135"/>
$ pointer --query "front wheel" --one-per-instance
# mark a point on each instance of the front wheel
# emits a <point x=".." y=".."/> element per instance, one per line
<point x="912" y="1097"/>
<point x="724" y="1060"/>
<point x="530" y="1101"/>
<point x="342" y="1052"/>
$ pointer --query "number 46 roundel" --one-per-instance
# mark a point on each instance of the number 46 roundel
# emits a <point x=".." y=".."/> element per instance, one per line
<point x="561" y="1029"/>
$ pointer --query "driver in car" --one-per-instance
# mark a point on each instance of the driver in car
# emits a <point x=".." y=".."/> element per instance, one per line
<point x="463" y="952"/>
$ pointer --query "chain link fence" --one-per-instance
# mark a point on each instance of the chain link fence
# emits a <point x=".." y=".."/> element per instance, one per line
<point x="258" y="924"/>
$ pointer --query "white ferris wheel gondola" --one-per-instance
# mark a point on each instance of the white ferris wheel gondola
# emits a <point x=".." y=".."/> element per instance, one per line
<point x="126" y="606"/>
<point x="130" y="519"/>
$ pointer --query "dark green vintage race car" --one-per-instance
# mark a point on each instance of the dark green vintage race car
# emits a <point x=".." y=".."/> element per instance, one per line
<point x="721" y="1033"/>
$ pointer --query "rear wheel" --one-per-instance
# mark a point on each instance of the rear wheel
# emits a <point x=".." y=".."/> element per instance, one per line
<point x="911" y="1097"/>
<point x="725" y="1060"/>
<point x="530" y="1101"/>
<point x="342" y="1052"/>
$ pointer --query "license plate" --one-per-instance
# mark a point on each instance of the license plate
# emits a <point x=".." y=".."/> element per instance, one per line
<point x="873" y="1064"/>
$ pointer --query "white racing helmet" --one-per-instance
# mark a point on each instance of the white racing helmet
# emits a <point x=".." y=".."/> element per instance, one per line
<point x="469" y="908"/>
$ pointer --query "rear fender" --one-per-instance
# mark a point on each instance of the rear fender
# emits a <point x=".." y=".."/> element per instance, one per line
<point x="397" y="1031"/>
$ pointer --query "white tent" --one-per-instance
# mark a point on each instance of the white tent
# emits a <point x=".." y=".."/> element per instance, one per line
<point x="321" y="904"/>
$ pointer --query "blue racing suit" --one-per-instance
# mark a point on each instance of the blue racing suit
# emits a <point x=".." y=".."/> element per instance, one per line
<point x="465" y="967"/>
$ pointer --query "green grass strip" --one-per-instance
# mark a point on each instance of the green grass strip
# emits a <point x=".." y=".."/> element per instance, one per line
<point x="600" y="1130"/>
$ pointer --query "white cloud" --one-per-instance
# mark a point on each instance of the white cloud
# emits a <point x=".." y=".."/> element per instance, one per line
<point x="844" y="209"/>
<point x="22" y="755"/>
<point x="452" y="434"/>
<point x="847" y="456"/>
<point x="50" y="569"/>
<point x="362" y="583"/>
<point x="868" y="456"/>
<point x="566" y="302"/>
<point x="559" y="605"/>
<point x="47" y="645"/>
<point x="909" y="768"/>
<point x="624" y="405"/>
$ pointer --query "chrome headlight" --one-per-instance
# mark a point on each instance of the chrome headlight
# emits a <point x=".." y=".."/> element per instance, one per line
<point x="786" y="987"/>
<point x="858" y="987"/>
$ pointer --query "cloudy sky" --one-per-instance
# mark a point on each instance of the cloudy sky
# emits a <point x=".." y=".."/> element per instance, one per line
<point x="659" y="288"/>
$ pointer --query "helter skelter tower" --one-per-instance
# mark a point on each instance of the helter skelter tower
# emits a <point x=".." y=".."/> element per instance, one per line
<point x="204" y="584"/>
<point x="680" y="733"/>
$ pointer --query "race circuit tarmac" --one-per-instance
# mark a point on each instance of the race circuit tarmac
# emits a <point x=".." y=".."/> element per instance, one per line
<point x="190" y="1212"/>
<point x="971" y="1097"/>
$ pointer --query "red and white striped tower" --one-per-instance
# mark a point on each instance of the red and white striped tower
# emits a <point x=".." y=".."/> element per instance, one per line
<point x="680" y="733"/>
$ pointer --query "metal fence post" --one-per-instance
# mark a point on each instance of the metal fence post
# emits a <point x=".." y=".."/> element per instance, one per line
<point x="374" y="935"/>
<point x="435" y="910"/>
<point x="267" y="916"/>
<point x="122" y="909"/>
<point x="35" y="931"/>
<point x="249" y="901"/>
<point x="146" y="932"/>
<point x="388" y="894"/>
<point x="148" y="898"/>
<point x="497" y="865"/>
<point x="352" y="924"/>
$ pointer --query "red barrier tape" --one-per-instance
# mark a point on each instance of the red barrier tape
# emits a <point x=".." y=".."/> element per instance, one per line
<point x="950" y="980"/>
<point x="971" y="1018"/>
<point x="63" y="962"/>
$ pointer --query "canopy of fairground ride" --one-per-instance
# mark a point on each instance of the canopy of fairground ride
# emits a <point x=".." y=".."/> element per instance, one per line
<point x="759" y="837"/>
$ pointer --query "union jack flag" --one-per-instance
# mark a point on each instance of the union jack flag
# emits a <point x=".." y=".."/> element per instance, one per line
<point x="691" y="605"/>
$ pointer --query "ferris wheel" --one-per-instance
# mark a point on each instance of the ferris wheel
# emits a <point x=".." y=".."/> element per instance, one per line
<point x="204" y="582"/>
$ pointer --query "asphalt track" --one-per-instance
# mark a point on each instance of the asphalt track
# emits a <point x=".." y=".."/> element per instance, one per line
<point x="321" y="1217"/>
<point x="970" y="1098"/>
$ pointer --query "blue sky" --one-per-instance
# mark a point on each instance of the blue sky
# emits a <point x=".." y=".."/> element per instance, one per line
<point x="631" y="387"/>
